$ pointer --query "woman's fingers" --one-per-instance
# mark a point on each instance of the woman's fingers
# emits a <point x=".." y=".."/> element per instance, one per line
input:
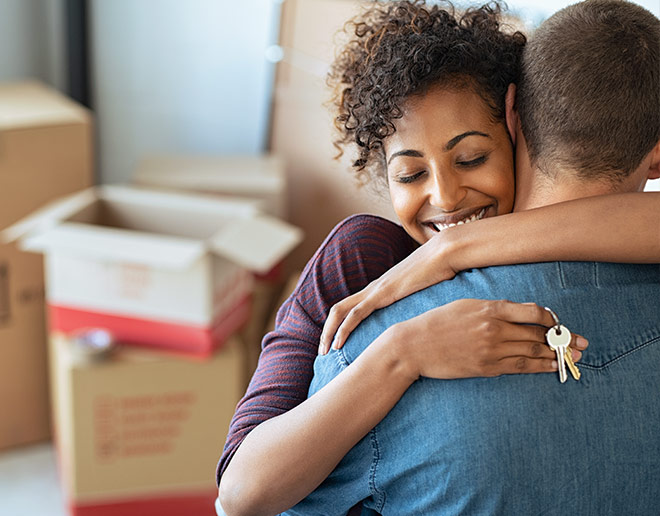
<point x="518" y="365"/>
<point x="524" y="313"/>
<point x="357" y="314"/>
<point x="578" y="342"/>
<point x="337" y="316"/>
<point x="346" y="315"/>
<point x="522" y="332"/>
<point x="528" y="349"/>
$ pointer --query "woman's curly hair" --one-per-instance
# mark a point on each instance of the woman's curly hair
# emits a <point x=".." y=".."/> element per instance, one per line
<point x="401" y="48"/>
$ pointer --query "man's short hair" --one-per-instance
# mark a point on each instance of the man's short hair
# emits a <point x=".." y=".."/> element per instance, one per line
<point x="589" y="95"/>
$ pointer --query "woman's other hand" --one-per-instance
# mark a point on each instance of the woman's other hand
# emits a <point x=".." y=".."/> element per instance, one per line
<point x="427" y="265"/>
<point x="478" y="338"/>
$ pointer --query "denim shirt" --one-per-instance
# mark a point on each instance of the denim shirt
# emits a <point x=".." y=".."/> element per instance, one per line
<point x="518" y="444"/>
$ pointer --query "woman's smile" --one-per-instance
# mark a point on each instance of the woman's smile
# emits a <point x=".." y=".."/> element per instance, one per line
<point x="450" y="221"/>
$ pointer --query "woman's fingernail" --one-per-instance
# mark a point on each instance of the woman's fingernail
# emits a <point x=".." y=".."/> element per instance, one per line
<point x="554" y="364"/>
<point x="581" y="343"/>
<point x="576" y="355"/>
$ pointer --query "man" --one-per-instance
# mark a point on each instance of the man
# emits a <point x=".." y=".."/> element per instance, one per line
<point x="528" y="444"/>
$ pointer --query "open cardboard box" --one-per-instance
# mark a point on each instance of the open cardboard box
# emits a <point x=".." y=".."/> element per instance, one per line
<point x="157" y="269"/>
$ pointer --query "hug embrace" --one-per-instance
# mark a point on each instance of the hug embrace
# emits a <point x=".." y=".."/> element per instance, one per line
<point x="408" y="372"/>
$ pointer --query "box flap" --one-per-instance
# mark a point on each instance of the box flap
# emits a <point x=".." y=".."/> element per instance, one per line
<point x="257" y="243"/>
<point x="49" y="215"/>
<point x="110" y="244"/>
<point x="240" y="175"/>
<point x="29" y="103"/>
<point x="195" y="202"/>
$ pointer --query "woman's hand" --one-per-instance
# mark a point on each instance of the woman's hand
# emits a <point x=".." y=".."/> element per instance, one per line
<point x="479" y="338"/>
<point x="426" y="266"/>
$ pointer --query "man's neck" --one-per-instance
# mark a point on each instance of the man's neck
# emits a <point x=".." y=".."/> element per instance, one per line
<point x="536" y="187"/>
<point x="540" y="189"/>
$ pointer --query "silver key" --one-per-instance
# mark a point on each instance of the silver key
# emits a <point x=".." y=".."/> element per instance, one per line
<point x="558" y="338"/>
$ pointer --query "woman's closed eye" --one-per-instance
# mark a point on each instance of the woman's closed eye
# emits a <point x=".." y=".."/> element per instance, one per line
<point x="480" y="160"/>
<point x="409" y="178"/>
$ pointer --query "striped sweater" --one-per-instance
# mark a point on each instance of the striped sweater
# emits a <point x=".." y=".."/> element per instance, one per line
<point x="357" y="251"/>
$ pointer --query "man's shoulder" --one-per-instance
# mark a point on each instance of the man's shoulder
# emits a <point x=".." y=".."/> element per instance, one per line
<point x="532" y="277"/>
<point x="579" y="291"/>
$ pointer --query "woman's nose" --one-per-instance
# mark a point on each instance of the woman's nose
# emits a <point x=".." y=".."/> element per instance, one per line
<point x="446" y="191"/>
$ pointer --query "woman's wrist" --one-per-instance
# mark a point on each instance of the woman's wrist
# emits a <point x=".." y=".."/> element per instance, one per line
<point x="396" y="346"/>
<point x="452" y="246"/>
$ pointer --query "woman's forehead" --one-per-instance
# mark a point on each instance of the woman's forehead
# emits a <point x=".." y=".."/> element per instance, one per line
<point x="444" y="111"/>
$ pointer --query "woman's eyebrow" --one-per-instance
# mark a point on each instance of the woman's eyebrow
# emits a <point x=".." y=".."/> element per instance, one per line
<point x="449" y="145"/>
<point x="408" y="152"/>
<point x="454" y="141"/>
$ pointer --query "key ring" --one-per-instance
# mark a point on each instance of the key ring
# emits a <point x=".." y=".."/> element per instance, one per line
<point x="555" y="318"/>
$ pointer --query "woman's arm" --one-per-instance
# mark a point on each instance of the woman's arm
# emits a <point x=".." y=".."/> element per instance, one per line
<point x="285" y="458"/>
<point x="622" y="228"/>
<point x="357" y="251"/>
<point x="273" y="458"/>
<point x="611" y="228"/>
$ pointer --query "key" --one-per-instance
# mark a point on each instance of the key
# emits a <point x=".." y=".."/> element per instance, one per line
<point x="558" y="339"/>
<point x="572" y="367"/>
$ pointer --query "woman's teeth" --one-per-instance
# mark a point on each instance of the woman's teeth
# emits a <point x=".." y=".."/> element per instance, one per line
<point x="476" y="216"/>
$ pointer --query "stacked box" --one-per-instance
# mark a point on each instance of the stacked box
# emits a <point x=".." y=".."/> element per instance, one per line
<point x="45" y="152"/>
<point x="138" y="432"/>
<point x="261" y="179"/>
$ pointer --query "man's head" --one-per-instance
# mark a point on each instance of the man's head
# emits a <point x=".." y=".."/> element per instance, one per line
<point x="589" y="96"/>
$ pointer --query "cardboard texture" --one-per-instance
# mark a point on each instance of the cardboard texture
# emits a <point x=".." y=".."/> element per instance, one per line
<point x="322" y="190"/>
<point x="45" y="152"/>
<point x="23" y="372"/>
<point x="45" y="148"/>
<point x="157" y="269"/>
<point x="259" y="178"/>
<point x="138" y="432"/>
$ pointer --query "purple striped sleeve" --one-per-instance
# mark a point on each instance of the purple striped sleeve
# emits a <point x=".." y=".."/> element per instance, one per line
<point x="358" y="250"/>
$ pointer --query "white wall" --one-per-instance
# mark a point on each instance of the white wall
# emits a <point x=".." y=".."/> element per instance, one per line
<point x="174" y="76"/>
<point x="533" y="12"/>
<point x="31" y="41"/>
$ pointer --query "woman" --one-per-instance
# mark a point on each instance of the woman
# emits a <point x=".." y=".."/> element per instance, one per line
<point x="411" y="74"/>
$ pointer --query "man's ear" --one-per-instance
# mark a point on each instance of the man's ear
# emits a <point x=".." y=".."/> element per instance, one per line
<point x="511" y="113"/>
<point x="654" y="167"/>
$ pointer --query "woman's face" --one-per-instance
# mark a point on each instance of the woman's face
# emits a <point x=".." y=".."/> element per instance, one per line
<point x="448" y="163"/>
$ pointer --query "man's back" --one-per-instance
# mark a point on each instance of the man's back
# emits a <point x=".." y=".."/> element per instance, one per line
<point x="519" y="444"/>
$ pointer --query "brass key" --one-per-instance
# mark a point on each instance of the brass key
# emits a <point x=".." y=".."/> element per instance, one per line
<point x="568" y="357"/>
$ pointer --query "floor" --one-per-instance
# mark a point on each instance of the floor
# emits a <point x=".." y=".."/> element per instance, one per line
<point x="28" y="482"/>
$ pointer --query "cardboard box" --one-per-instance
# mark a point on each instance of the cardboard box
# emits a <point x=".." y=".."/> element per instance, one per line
<point x="139" y="432"/>
<point x="157" y="269"/>
<point x="323" y="191"/>
<point x="45" y="148"/>
<point x="260" y="178"/>
<point x="45" y="152"/>
<point x="23" y="373"/>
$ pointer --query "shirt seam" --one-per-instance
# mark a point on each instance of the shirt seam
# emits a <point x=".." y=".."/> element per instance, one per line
<point x="651" y="342"/>
<point x="378" y="495"/>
